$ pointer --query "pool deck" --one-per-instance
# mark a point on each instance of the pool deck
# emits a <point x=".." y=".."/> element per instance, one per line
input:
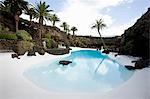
<point x="13" y="85"/>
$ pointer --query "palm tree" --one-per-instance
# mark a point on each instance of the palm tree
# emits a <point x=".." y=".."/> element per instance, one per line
<point x="31" y="12"/>
<point x="16" y="8"/>
<point x="5" y="10"/>
<point x="54" y="19"/>
<point x="41" y="13"/>
<point x="64" y="26"/>
<point x="4" y="7"/>
<point x="99" y="25"/>
<point x="73" y="29"/>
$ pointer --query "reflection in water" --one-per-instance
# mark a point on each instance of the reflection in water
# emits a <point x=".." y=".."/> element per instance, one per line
<point x="80" y="75"/>
<point x="99" y="65"/>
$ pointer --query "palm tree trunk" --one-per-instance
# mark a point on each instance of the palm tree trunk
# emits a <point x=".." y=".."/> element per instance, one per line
<point x="39" y="32"/>
<point x="64" y="29"/>
<point x="16" y="26"/>
<point x="73" y="33"/>
<point x="105" y="47"/>
<point x="16" y="22"/>
<point x="30" y="19"/>
<point x="40" y="27"/>
<point x="53" y="23"/>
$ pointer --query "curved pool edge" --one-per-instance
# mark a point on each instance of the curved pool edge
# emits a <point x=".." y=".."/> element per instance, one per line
<point x="37" y="72"/>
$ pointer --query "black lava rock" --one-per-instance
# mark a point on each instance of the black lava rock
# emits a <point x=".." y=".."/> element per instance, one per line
<point x="64" y="62"/>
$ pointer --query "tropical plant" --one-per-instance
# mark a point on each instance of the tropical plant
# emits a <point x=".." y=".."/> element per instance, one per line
<point x="54" y="19"/>
<point x="41" y="13"/>
<point x="73" y="29"/>
<point x="16" y="8"/>
<point x="31" y="12"/>
<point x="64" y="26"/>
<point x="99" y="25"/>
<point x="4" y="7"/>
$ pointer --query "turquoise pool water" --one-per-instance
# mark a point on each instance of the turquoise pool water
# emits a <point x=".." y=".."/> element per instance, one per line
<point x="90" y="71"/>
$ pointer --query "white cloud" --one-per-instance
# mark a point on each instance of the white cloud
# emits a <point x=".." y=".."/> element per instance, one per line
<point x="24" y="16"/>
<point x="83" y="13"/>
<point x="118" y="30"/>
<point x="100" y="4"/>
<point x="82" y="17"/>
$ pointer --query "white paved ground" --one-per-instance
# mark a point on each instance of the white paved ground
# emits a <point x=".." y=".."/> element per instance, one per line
<point x="13" y="85"/>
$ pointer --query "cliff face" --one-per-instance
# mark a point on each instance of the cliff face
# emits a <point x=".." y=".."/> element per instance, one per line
<point x="135" y="40"/>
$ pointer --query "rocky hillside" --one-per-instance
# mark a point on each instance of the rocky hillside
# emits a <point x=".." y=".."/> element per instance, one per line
<point x="57" y="35"/>
<point x="135" y="40"/>
<point x="7" y="21"/>
<point x="95" y="42"/>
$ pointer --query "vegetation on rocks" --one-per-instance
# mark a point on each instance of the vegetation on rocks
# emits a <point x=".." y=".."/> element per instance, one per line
<point x="48" y="40"/>
<point x="8" y="36"/>
<point x="23" y="35"/>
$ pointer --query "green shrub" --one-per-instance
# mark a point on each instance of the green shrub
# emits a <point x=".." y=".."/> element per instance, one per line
<point x="23" y="35"/>
<point x="8" y="36"/>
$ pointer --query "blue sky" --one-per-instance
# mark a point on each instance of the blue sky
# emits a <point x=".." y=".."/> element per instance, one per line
<point x="127" y="12"/>
<point x="54" y="4"/>
<point x="117" y="14"/>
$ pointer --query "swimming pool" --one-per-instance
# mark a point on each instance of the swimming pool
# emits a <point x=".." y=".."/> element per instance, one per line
<point x="90" y="71"/>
